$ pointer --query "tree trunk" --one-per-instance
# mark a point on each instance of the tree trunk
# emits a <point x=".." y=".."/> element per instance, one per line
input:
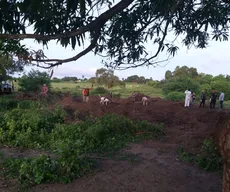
<point x="224" y="144"/>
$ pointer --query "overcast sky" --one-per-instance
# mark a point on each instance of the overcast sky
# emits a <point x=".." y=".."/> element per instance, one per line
<point x="213" y="60"/>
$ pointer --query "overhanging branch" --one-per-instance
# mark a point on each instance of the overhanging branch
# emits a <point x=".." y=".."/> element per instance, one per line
<point x="103" y="18"/>
<point x="76" y="57"/>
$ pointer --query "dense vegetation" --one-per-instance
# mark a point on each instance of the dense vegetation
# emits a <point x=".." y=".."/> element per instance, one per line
<point x="33" y="81"/>
<point x="66" y="148"/>
<point x="183" y="78"/>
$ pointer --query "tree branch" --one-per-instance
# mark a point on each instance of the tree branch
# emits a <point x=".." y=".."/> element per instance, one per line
<point x="76" y="57"/>
<point x="103" y="18"/>
<point x="161" y="43"/>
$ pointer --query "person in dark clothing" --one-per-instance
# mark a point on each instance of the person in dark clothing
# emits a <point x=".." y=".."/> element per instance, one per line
<point x="202" y="98"/>
<point x="213" y="99"/>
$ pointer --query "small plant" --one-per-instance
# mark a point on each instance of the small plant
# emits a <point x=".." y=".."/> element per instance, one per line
<point x="209" y="159"/>
<point x="184" y="156"/>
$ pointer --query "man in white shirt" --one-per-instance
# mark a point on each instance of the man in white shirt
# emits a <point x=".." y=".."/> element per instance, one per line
<point x="221" y="99"/>
<point x="188" y="94"/>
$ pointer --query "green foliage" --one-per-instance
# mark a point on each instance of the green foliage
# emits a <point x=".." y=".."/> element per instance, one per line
<point x="184" y="156"/>
<point x="183" y="78"/>
<point x="34" y="80"/>
<point x="221" y="85"/>
<point x="8" y="64"/>
<point x="127" y="27"/>
<point x="180" y="84"/>
<point x="136" y="78"/>
<point x="34" y="125"/>
<point x="151" y="83"/>
<point x="99" y="90"/>
<point x="7" y="103"/>
<point x="175" y="96"/>
<point x="209" y="159"/>
<point x="69" y="79"/>
<point x="183" y="71"/>
<point x="28" y="127"/>
<point x="106" y="77"/>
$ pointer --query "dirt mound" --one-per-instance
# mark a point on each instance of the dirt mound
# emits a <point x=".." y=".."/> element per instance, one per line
<point x="184" y="126"/>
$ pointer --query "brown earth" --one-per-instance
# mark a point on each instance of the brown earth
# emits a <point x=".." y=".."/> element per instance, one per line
<point x="158" y="168"/>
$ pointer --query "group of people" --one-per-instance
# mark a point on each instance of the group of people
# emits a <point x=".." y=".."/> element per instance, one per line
<point x="191" y="97"/>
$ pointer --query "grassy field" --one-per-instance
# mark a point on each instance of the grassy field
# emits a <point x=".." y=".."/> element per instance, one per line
<point x="124" y="91"/>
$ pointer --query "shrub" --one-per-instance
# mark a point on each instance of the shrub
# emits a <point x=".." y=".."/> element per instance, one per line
<point x="99" y="90"/>
<point x="72" y="144"/>
<point x="209" y="159"/>
<point x="33" y="81"/>
<point x="7" y="103"/>
<point x="180" y="84"/>
<point x="175" y="96"/>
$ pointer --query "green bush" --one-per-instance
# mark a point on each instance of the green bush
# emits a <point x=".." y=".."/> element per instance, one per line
<point x="209" y="159"/>
<point x="33" y="81"/>
<point x="7" y="103"/>
<point x="175" y="96"/>
<point x="70" y="142"/>
<point x="180" y="84"/>
<point x="118" y="95"/>
<point x="99" y="90"/>
<point x="28" y="127"/>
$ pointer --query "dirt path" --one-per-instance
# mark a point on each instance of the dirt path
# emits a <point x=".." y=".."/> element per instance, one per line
<point x="158" y="171"/>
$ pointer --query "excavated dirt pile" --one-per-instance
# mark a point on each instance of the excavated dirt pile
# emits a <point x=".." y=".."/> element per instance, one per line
<point x="183" y="126"/>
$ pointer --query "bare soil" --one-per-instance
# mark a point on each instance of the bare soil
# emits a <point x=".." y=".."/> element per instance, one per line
<point x="157" y="168"/>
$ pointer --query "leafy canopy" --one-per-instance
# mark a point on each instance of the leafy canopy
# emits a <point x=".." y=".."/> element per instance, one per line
<point x="117" y="30"/>
<point x="8" y="64"/>
<point x="33" y="81"/>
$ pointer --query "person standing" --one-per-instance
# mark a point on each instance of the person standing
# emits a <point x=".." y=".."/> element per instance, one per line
<point x="193" y="98"/>
<point x="111" y="94"/>
<point x="44" y="90"/>
<point x="133" y="96"/>
<point x="221" y="99"/>
<point x="213" y="99"/>
<point x="202" y="98"/>
<point x="85" y="94"/>
<point x="187" y="97"/>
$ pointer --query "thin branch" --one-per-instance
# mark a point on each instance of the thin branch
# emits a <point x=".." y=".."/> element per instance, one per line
<point x="156" y="63"/>
<point x="160" y="44"/>
<point x="103" y="18"/>
<point x="76" y="57"/>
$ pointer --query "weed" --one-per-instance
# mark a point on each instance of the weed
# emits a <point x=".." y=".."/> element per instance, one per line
<point x="184" y="156"/>
<point x="209" y="158"/>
